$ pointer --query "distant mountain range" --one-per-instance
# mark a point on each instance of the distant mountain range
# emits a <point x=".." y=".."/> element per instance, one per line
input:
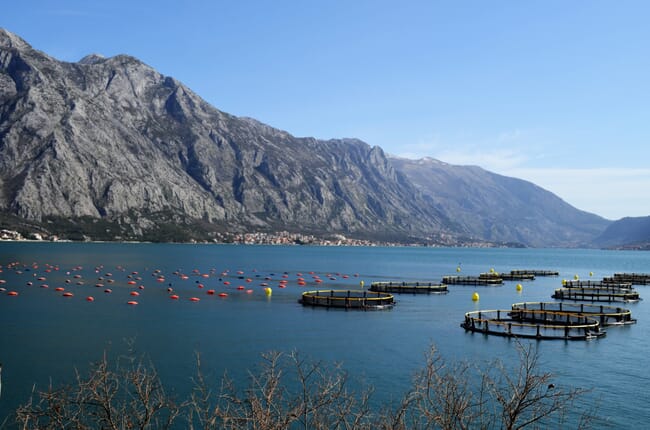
<point x="108" y="148"/>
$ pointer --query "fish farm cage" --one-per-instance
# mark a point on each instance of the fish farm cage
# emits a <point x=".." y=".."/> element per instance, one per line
<point x="606" y="315"/>
<point x="419" y="287"/>
<point x="348" y="299"/>
<point x="596" y="294"/>
<point x="533" y="324"/>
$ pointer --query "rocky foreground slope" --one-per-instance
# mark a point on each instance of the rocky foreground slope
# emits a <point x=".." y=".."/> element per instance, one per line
<point x="110" y="148"/>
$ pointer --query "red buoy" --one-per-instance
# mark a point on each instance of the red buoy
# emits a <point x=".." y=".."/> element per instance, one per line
<point x="174" y="297"/>
<point x="134" y="293"/>
<point x="90" y="299"/>
<point x="67" y="294"/>
<point x="132" y="302"/>
<point x="223" y="294"/>
<point x="12" y="293"/>
<point x="194" y="299"/>
<point x="210" y="292"/>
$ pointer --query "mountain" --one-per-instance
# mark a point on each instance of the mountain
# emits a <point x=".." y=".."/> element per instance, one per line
<point x="629" y="232"/>
<point x="498" y="208"/>
<point x="111" y="139"/>
<point x="109" y="148"/>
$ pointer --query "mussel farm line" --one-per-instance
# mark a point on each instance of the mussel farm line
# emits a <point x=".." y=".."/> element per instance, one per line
<point x="417" y="287"/>
<point x="348" y="299"/>
<point x="533" y="324"/>
<point x="607" y="315"/>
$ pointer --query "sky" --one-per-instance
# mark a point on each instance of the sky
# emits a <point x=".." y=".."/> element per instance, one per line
<point x="553" y="92"/>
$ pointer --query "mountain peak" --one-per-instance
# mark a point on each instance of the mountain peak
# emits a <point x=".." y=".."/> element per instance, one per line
<point x="92" y="59"/>
<point x="10" y="40"/>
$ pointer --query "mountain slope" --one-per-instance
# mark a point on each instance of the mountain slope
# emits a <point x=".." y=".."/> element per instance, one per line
<point x="499" y="208"/>
<point x="629" y="232"/>
<point x="111" y="138"/>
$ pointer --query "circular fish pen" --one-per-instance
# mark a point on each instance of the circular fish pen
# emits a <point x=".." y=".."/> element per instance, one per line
<point x="471" y="280"/>
<point x="533" y="324"/>
<point x="595" y="294"/>
<point x="409" y="287"/>
<point x="348" y="299"/>
<point x="606" y="315"/>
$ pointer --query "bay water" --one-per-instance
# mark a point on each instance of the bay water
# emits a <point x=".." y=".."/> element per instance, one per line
<point x="44" y="337"/>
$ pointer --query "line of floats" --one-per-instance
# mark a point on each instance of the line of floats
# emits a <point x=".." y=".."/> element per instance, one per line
<point x="535" y="320"/>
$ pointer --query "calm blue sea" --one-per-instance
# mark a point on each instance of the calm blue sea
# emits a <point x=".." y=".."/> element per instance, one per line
<point x="44" y="337"/>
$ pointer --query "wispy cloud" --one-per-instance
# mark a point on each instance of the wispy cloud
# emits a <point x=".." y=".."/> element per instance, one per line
<point x="610" y="192"/>
<point x="495" y="153"/>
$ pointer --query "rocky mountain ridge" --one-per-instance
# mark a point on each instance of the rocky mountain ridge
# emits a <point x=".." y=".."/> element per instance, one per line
<point x="111" y="149"/>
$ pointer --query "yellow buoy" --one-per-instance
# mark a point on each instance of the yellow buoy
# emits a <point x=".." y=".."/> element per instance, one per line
<point x="361" y="283"/>
<point x="475" y="297"/>
<point x="563" y="281"/>
<point x="268" y="291"/>
<point x="576" y="277"/>
<point x="458" y="269"/>
<point x="591" y="273"/>
<point x="491" y="269"/>
<point x="519" y="287"/>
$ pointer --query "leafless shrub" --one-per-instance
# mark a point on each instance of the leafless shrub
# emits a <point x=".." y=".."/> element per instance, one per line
<point x="288" y="392"/>
<point x="128" y="396"/>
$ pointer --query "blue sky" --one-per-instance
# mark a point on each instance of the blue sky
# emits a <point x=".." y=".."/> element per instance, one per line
<point x="555" y="92"/>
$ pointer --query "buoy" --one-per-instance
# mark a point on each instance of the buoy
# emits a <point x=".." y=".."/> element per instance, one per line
<point x="131" y="282"/>
<point x="591" y="273"/>
<point x="491" y="269"/>
<point x="169" y="289"/>
<point x="45" y="286"/>
<point x="12" y="293"/>
<point x="174" y="297"/>
<point x="563" y="281"/>
<point x="475" y="297"/>
<point x="268" y="291"/>
<point x="67" y="294"/>
<point x="249" y="291"/>
<point x="458" y="269"/>
<point x="519" y="287"/>
<point x="90" y="299"/>
<point x="576" y="277"/>
<point x="108" y="291"/>
<point x="210" y="292"/>
<point x="134" y="293"/>
<point x="194" y="299"/>
<point x="362" y="284"/>
<point x="132" y="302"/>
<point x="241" y="287"/>
<point x="141" y="287"/>
<point x="59" y="289"/>
<point x="223" y="294"/>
